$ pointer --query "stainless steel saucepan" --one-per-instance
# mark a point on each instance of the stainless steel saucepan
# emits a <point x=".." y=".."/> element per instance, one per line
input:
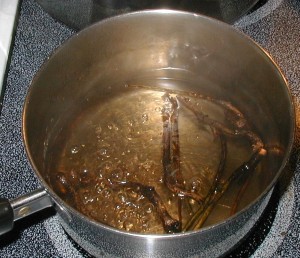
<point x="194" y="50"/>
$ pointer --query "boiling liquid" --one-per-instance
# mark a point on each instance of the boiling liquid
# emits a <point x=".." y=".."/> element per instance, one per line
<point x="120" y="140"/>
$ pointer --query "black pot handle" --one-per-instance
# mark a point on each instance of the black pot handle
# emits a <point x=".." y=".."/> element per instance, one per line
<point x="11" y="211"/>
<point x="6" y="216"/>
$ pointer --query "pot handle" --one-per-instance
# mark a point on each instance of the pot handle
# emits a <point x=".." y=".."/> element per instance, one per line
<point x="11" y="211"/>
<point x="6" y="216"/>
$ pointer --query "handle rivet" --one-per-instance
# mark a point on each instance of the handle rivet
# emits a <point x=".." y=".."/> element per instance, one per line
<point x="24" y="211"/>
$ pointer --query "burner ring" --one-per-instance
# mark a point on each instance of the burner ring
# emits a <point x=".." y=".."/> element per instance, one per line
<point x="262" y="11"/>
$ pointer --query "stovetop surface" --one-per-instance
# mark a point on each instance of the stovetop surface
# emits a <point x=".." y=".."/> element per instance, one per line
<point x="274" y="25"/>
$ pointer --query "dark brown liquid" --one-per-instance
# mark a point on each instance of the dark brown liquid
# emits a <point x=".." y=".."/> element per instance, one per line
<point x="121" y="141"/>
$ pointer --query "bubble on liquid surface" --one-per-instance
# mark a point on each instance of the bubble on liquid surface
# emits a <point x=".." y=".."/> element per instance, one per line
<point x="87" y="197"/>
<point x="128" y="225"/>
<point x="117" y="175"/>
<point x="75" y="149"/>
<point x="104" y="167"/>
<point x="145" y="118"/>
<point x="148" y="208"/>
<point x="104" y="152"/>
<point x="98" y="130"/>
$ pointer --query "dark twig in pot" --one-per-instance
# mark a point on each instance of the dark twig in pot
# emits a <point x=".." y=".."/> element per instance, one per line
<point x="240" y="195"/>
<point x="172" y="174"/>
<point x="213" y="188"/>
<point x="170" y="225"/>
<point x="244" y="169"/>
<point x="236" y="116"/>
<point x="203" y="118"/>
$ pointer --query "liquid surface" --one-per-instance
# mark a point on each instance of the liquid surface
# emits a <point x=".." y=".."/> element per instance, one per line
<point x="113" y="161"/>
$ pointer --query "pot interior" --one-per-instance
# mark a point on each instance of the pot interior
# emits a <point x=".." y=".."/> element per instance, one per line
<point x="95" y="112"/>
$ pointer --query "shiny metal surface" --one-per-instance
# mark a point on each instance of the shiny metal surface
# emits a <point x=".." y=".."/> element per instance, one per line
<point x="31" y="203"/>
<point x="211" y="242"/>
<point x="227" y="63"/>
<point x="81" y="13"/>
